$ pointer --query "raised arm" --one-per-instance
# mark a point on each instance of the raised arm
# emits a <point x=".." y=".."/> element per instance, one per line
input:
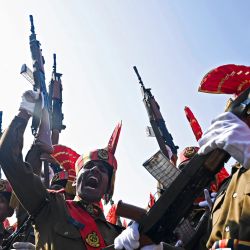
<point x="26" y="185"/>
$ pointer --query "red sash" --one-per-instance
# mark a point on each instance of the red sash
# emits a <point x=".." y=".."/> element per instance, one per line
<point x="90" y="233"/>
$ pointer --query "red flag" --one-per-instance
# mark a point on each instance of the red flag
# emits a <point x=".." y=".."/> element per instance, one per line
<point x="111" y="217"/>
<point x="151" y="200"/>
<point x="193" y="123"/>
<point x="226" y="79"/>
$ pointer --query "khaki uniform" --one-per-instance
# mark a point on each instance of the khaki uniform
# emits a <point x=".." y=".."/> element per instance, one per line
<point x="231" y="210"/>
<point x="230" y="216"/>
<point x="53" y="229"/>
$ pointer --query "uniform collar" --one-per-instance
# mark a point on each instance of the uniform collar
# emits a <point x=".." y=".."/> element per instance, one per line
<point x="92" y="208"/>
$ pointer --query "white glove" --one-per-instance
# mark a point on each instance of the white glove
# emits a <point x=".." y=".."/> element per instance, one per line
<point x="230" y="133"/>
<point x="129" y="238"/>
<point x="29" y="99"/>
<point x="23" y="246"/>
<point x="209" y="199"/>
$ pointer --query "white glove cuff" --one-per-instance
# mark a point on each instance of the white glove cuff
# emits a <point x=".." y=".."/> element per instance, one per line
<point x="27" y="106"/>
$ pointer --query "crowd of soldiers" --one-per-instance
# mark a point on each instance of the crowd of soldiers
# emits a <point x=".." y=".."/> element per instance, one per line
<point x="68" y="214"/>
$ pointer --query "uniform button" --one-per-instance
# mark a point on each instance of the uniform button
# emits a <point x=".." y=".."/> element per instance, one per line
<point x="235" y="195"/>
<point x="66" y="233"/>
<point x="227" y="228"/>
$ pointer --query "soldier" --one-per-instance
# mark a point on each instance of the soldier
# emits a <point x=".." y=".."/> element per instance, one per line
<point x="60" y="224"/>
<point x="5" y="209"/>
<point x="230" y="213"/>
<point x="231" y="210"/>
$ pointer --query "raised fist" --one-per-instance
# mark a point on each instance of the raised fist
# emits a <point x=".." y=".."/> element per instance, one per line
<point x="29" y="100"/>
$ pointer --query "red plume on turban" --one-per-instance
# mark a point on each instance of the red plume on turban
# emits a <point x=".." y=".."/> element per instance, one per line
<point x="226" y="79"/>
<point x="66" y="158"/>
<point x="113" y="141"/>
<point x="193" y="123"/>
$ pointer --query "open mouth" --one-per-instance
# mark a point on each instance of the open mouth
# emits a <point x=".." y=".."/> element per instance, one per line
<point x="92" y="182"/>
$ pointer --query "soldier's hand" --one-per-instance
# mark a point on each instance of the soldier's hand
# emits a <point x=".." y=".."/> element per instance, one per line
<point x="129" y="238"/>
<point x="209" y="199"/>
<point x="23" y="246"/>
<point x="229" y="133"/>
<point x="29" y="100"/>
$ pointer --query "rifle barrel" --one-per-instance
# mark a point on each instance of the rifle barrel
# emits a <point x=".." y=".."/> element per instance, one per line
<point x="32" y="27"/>
<point x="138" y="76"/>
<point x="54" y="65"/>
<point x="1" y="117"/>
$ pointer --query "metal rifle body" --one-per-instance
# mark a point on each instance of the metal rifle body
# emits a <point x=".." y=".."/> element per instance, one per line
<point x="40" y="122"/>
<point x="157" y="122"/>
<point x="177" y="200"/>
<point x="55" y="103"/>
<point x="7" y="244"/>
<point x="56" y="115"/>
<point x="40" y="119"/>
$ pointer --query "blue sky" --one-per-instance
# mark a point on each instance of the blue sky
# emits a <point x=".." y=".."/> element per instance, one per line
<point x="172" y="43"/>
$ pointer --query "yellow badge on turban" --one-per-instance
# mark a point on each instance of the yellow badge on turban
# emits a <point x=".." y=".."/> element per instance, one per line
<point x="103" y="154"/>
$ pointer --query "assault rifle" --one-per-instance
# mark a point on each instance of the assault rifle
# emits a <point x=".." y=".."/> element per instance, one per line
<point x="55" y="103"/>
<point x="157" y="122"/>
<point x="55" y="99"/>
<point x="40" y="122"/>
